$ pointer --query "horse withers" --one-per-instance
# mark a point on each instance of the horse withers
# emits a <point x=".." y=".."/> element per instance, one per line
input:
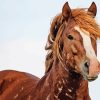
<point x="70" y="63"/>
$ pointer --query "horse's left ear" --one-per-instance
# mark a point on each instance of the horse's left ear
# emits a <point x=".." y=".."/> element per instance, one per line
<point x="93" y="9"/>
<point x="66" y="11"/>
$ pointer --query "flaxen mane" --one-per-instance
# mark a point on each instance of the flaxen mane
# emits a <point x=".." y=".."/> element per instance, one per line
<point x="83" y="19"/>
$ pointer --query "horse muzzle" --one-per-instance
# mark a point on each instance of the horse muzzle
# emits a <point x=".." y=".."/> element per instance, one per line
<point x="91" y="69"/>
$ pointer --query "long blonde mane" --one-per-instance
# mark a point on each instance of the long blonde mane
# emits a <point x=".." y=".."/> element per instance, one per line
<point x="82" y="18"/>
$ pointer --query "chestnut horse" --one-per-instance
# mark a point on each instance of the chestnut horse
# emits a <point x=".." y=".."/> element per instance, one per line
<point x="70" y="63"/>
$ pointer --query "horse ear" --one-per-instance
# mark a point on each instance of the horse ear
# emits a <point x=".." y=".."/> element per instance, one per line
<point x="66" y="11"/>
<point x="93" y="9"/>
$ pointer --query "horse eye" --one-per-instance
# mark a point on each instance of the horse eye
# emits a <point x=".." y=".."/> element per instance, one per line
<point x="70" y="37"/>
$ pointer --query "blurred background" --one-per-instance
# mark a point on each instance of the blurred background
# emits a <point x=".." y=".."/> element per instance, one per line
<point x="24" y="27"/>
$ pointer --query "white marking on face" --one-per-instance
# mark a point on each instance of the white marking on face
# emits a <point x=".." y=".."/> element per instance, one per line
<point x="87" y="42"/>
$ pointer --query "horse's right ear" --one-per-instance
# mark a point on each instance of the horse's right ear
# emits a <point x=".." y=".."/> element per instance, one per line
<point x="66" y="11"/>
<point x="93" y="9"/>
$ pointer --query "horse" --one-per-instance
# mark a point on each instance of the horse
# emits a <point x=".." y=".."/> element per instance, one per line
<point x="71" y="61"/>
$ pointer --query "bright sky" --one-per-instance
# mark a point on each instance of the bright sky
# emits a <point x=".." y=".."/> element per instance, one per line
<point x="24" y="26"/>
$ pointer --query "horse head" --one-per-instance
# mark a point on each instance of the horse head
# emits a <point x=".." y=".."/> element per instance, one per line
<point x="73" y="40"/>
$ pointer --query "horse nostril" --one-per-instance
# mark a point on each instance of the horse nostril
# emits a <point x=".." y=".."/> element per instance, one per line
<point x="86" y="64"/>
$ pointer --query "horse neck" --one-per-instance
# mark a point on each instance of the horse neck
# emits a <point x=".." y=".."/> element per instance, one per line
<point x="58" y="84"/>
<point x="67" y="84"/>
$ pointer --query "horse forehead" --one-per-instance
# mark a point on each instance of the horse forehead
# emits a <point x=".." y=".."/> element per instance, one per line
<point x="85" y="35"/>
<point x="86" y="42"/>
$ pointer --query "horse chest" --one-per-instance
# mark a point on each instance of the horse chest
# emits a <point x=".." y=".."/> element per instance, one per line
<point x="68" y="90"/>
<point x="64" y="91"/>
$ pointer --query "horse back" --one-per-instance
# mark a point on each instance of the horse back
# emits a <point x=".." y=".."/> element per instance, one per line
<point x="16" y="85"/>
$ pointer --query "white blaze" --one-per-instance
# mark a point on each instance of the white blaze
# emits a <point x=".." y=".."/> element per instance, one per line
<point x="87" y="42"/>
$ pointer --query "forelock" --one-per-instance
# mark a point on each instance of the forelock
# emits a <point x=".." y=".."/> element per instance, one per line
<point x="86" y="21"/>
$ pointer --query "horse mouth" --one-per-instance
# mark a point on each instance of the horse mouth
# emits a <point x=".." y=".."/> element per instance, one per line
<point x="90" y="79"/>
